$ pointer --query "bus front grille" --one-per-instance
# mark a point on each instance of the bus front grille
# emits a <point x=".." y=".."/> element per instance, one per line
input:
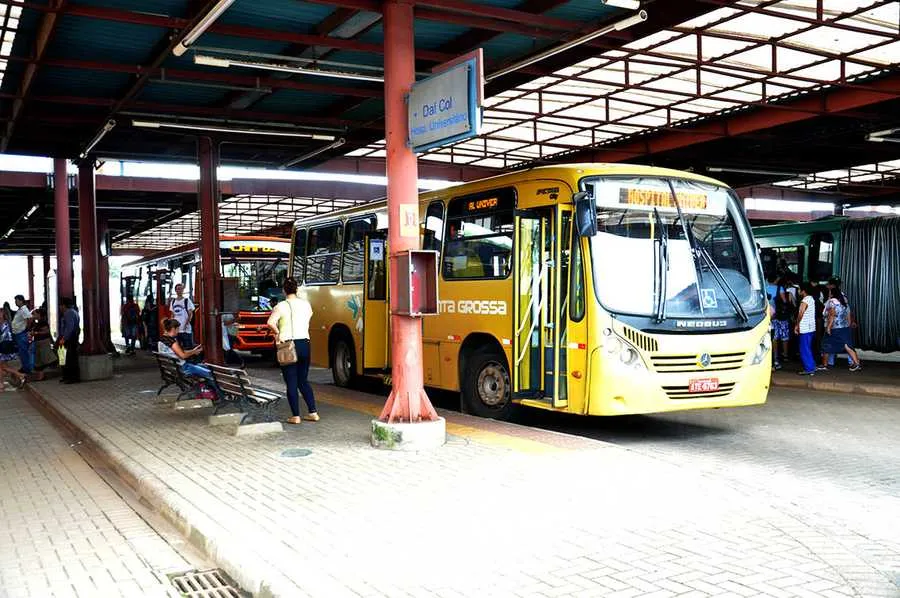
<point x="719" y="362"/>
<point x="683" y="392"/>
<point x="640" y="340"/>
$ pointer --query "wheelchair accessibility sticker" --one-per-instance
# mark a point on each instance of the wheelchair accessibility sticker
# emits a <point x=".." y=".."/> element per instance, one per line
<point x="708" y="298"/>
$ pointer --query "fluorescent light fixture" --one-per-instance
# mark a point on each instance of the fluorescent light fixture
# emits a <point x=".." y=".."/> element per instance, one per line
<point x="31" y="211"/>
<point x="626" y="4"/>
<point x="752" y="171"/>
<point x="202" y="25"/>
<point x="884" y="136"/>
<point x="153" y="124"/>
<point x="639" y="17"/>
<point x="283" y="68"/>
<point x="110" y="124"/>
<point x="314" y="153"/>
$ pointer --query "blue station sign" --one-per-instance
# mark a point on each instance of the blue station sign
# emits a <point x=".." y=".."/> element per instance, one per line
<point x="445" y="107"/>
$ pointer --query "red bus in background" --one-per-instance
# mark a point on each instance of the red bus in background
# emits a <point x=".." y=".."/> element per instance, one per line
<point x="253" y="270"/>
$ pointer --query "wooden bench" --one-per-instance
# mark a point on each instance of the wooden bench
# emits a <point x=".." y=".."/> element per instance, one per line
<point x="171" y="374"/>
<point x="236" y="388"/>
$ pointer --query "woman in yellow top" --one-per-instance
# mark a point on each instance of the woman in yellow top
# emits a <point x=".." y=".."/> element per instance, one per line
<point x="290" y="321"/>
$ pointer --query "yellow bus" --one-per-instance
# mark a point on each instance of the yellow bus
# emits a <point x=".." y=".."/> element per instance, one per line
<point x="597" y="289"/>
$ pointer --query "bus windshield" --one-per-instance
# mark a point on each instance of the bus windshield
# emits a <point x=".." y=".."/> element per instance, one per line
<point x="670" y="247"/>
<point x="259" y="282"/>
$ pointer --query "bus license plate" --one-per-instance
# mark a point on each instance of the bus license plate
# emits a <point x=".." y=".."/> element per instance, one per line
<point x="704" y="385"/>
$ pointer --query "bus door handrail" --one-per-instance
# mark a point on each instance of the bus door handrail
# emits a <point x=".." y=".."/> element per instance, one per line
<point x="544" y="269"/>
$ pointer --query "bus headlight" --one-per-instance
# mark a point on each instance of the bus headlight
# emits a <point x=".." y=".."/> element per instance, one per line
<point x="628" y="356"/>
<point x="762" y="349"/>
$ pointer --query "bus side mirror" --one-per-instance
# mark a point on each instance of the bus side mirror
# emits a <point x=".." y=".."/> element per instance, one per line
<point x="585" y="214"/>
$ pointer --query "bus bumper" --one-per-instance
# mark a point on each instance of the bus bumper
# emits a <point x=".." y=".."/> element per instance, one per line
<point x="617" y="389"/>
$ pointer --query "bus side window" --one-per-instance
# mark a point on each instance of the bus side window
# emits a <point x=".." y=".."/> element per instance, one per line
<point x="821" y="257"/>
<point x="299" y="262"/>
<point x="354" y="248"/>
<point x="434" y="226"/>
<point x="576" y="273"/>
<point x="323" y="255"/>
<point x="478" y="243"/>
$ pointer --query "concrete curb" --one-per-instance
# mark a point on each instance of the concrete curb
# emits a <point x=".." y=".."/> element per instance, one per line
<point x="197" y="525"/>
<point x="859" y="388"/>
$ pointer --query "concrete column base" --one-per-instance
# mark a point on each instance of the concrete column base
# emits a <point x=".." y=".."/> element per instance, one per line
<point x="258" y="429"/>
<point x="409" y="437"/>
<point x="95" y="367"/>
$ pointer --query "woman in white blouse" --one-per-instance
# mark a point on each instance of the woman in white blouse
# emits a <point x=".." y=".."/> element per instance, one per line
<point x="290" y="321"/>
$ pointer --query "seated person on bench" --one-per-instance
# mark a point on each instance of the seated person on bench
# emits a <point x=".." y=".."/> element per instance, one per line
<point x="168" y="345"/>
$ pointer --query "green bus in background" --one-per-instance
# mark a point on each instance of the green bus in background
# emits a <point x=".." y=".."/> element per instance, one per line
<point x="863" y="252"/>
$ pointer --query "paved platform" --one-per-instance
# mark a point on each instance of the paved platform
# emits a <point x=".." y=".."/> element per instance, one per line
<point x="501" y="510"/>
<point x="880" y="379"/>
<point x="63" y="531"/>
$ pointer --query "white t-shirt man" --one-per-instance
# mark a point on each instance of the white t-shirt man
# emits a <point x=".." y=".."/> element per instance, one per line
<point x="20" y="320"/>
<point x="808" y="321"/>
<point x="181" y="311"/>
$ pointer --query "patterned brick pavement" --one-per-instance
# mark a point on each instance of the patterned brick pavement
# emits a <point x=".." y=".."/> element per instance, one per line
<point x="63" y="531"/>
<point x="499" y="511"/>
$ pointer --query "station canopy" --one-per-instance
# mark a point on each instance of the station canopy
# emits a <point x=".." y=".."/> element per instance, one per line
<point x="779" y="93"/>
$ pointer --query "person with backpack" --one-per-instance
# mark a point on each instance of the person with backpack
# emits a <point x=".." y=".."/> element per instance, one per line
<point x="131" y="318"/>
<point x="182" y="309"/>
<point x="781" y="322"/>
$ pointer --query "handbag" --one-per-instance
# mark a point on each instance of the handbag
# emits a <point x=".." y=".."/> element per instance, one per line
<point x="286" y="352"/>
<point x="61" y="354"/>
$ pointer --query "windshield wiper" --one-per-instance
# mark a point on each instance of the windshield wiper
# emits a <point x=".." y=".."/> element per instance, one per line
<point x="662" y="269"/>
<point x="699" y="253"/>
<point x="729" y="291"/>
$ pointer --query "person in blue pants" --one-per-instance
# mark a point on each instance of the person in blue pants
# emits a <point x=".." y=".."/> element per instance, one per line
<point x="805" y="328"/>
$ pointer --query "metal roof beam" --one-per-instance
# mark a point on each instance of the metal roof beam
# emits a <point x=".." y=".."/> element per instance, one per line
<point x="42" y="40"/>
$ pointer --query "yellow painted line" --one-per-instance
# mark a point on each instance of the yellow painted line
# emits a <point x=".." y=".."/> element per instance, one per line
<point x="487" y="437"/>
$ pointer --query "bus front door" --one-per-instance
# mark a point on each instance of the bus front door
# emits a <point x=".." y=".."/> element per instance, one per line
<point x="535" y="297"/>
<point x="375" y="333"/>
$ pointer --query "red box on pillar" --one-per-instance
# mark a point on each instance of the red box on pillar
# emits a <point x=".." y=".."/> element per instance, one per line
<point x="416" y="291"/>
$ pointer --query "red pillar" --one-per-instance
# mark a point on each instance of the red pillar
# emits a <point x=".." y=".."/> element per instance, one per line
<point x="208" y="152"/>
<point x="46" y="273"/>
<point x="103" y="292"/>
<point x="65" y="279"/>
<point x="31" y="282"/>
<point x="407" y="401"/>
<point x="90" y="261"/>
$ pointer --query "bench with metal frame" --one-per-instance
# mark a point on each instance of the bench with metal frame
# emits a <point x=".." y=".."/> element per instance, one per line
<point x="171" y="373"/>
<point x="236" y="387"/>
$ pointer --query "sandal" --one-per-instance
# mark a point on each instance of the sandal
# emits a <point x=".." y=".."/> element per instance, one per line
<point x="311" y="417"/>
<point x="294" y="420"/>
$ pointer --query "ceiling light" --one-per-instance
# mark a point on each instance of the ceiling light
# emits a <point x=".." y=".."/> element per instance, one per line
<point x="31" y="211"/>
<point x="202" y="25"/>
<point x="752" y="171"/>
<point x="152" y="124"/>
<point x="97" y="138"/>
<point x="626" y="4"/>
<point x="283" y="68"/>
<point x="639" y="17"/>
<point x="314" y="153"/>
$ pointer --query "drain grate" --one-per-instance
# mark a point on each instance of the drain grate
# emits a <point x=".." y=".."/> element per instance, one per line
<point x="293" y="453"/>
<point x="205" y="584"/>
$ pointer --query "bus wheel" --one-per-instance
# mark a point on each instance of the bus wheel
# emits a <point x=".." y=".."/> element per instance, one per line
<point x="487" y="390"/>
<point x="343" y="363"/>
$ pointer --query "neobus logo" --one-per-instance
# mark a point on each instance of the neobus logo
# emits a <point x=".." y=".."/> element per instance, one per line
<point x="701" y="323"/>
<point x="483" y="308"/>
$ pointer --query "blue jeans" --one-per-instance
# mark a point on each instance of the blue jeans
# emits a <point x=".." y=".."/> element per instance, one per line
<point x="196" y="370"/>
<point x="295" y="378"/>
<point x="26" y="351"/>
<point x="806" y="351"/>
